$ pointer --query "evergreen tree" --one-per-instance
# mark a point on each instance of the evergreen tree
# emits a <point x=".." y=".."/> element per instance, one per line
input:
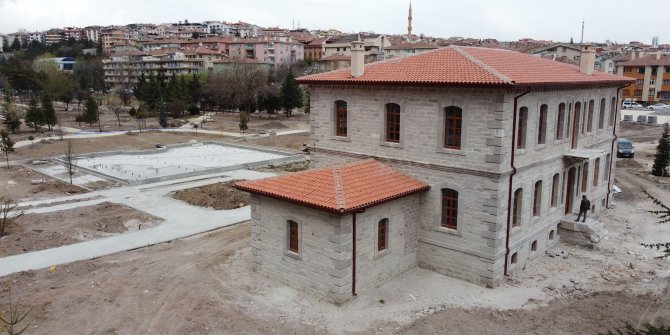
<point x="244" y="120"/>
<point x="162" y="114"/>
<point x="195" y="88"/>
<point x="6" y="145"/>
<point x="662" y="160"/>
<point x="90" y="110"/>
<point x="34" y="116"/>
<point x="49" y="111"/>
<point x="291" y="94"/>
<point x="16" y="45"/>
<point x="12" y="120"/>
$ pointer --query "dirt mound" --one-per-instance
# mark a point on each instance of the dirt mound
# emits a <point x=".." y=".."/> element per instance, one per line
<point x="57" y="187"/>
<point x="285" y="167"/>
<point x="274" y="124"/>
<point x="218" y="196"/>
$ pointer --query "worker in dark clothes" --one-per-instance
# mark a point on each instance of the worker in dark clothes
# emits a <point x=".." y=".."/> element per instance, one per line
<point x="584" y="206"/>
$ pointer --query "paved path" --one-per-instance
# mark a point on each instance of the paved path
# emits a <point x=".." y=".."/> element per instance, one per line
<point x="180" y="220"/>
<point x="78" y="134"/>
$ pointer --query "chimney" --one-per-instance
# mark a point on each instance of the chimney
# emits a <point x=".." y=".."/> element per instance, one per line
<point x="658" y="55"/>
<point x="632" y="55"/>
<point x="357" y="58"/>
<point x="587" y="59"/>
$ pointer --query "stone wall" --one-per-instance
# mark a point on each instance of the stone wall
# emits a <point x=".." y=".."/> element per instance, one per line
<point x="476" y="251"/>
<point x="323" y="266"/>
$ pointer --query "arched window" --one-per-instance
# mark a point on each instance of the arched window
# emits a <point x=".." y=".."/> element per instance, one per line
<point x="608" y="166"/>
<point x="560" y="121"/>
<point x="533" y="246"/>
<point x="522" y="128"/>
<point x="293" y="236"/>
<point x="542" y="125"/>
<point x="589" y="124"/>
<point x="393" y="123"/>
<point x="382" y="234"/>
<point x="449" y="208"/>
<point x="516" y="207"/>
<point x="453" y="122"/>
<point x="596" y="171"/>
<point x="601" y="116"/>
<point x="613" y="108"/>
<point x="554" y="190"/>
<point x="585" y="177"/>
<point x="578" y="122"/>
<point x="551" y="235"/>
<point x="537" y="198"/>
<point x="341" y="118"/>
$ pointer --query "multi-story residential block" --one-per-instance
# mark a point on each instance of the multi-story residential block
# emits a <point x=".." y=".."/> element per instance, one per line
<point x="408" y="48"/>
<point x="244" y="30"/>
<point x="478" y="155"/>
<point x="92" y="33"/>
<point x="651" y="73"/>
<point x="77" y="34"/>
<point x="314" y="49"/>
<point x="117" y="36"/>
<point x="374" y="45"/>
<point x="275" y="51"/>
<point x="557" y="51"/>
<point x="126" y="69"/>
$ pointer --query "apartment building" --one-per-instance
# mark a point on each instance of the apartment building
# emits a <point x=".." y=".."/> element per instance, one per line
<point x="651" y="72"/>
<point x="374" y="45"/>
<point x="126" y="69"/>
<point x="275" y="51"/>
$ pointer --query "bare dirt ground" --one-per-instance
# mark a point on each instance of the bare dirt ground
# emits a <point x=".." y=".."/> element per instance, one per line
<point x="217" y="196"/>
<point x="16" y="182"/>
<point x="230" y="122"/>
<point x="146" y="140"/>
<point x="32" y="232"/>
<point x="293" y="142"/>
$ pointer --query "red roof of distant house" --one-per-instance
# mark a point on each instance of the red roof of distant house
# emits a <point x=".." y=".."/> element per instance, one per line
<point x="338" y="189"/>
<point x="335" y="57"/>
<point x="467" y="66"/>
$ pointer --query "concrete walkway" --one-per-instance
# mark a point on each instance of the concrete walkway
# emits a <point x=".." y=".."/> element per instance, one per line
<point x="180" y="220"/>
<point x="79" y="134"/>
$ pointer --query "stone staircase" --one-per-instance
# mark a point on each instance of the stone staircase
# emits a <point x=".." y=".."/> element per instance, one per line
<point x="586" y="234"/>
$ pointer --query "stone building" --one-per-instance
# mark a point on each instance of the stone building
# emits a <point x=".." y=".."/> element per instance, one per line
<point x="507" y="142"/>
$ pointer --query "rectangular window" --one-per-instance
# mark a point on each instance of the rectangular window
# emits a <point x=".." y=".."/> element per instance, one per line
<point x="638" y="93"/>
<point x="516" y="209"/>
<point x="542" y="127"/>
<point x="666" y="82"/>
<point x="449" y="208"/>
<point x="382" y="234"/>
<point x="585" y="177"/>
<point x="626" y="70"/>
<point x="537" y="199"/>
<point x="453" y="122"/>
<point x="392" y="123"/>
<point x="522" y="126"/>
<point x="293" y="236"/>
<point x="341" y="118"/>
<point x="639" y="82"/>
<point x="554" y="191"/>
<point x="640" y="70"/>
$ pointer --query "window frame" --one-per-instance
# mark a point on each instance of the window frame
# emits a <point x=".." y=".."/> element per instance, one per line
<point x="457" y="128"/>
<point x="542" y="124"/>
<point x="449" y="203"/>
<point x="522" y="127"/>
<point x="613" y="112"/>
<point x="555" y="181"/>
<point x="517" y="206"/>
<point x="560" y="121"/>
<point x="601" y="118"/>
<point x="589" y="121"/>
<point x="392" y="118"/>
<point x="341" y="118"/>
<point x="382" y="244"/>
<point x="297" y="254"/>
<point x="596" y="172"/>
<point x="537" y="199"/>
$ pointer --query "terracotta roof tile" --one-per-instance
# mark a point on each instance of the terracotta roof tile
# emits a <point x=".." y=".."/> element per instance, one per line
<point x="338" y="189"/>
<point x="647" y="61"/>
<point x="467" y="66"/>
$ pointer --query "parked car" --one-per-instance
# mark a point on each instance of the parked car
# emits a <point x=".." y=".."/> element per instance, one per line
<point x="659" y="105"/>
<point x="625" y="148"/>
<point x="631" y="104"/>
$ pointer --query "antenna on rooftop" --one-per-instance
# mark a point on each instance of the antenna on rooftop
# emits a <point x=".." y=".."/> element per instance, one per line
<point x="582" y="41"/>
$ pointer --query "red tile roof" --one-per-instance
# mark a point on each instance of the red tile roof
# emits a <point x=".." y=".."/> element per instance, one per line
<point x="338" y="189"/>
<point x="467" y="66"/>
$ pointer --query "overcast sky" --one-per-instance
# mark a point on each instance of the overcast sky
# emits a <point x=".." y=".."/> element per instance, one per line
<point x="616" y="20"/>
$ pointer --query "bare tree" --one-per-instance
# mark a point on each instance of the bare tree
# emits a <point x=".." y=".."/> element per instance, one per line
<point x="8" y="213"/>
<point x="13" y="318"/>
<point x="116" y="108"/>
<point x="70" y="161"/>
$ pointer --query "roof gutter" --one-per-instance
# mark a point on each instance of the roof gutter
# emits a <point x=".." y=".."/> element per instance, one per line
<point x="511" y="178"/>
<point x="614" y="139"/>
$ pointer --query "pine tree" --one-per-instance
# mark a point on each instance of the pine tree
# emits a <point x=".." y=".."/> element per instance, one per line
<point x="244" y="120"/>
<point x="49" y="111"/>
<point x="12" y="120"/>
<point x="162" y="114"/>
<point x="34" y="116"/>
<point x="6" y="145"/>
<point x="90" y="110"/>
<point x="291" y="94"/>
<point x="662" y="160"/>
